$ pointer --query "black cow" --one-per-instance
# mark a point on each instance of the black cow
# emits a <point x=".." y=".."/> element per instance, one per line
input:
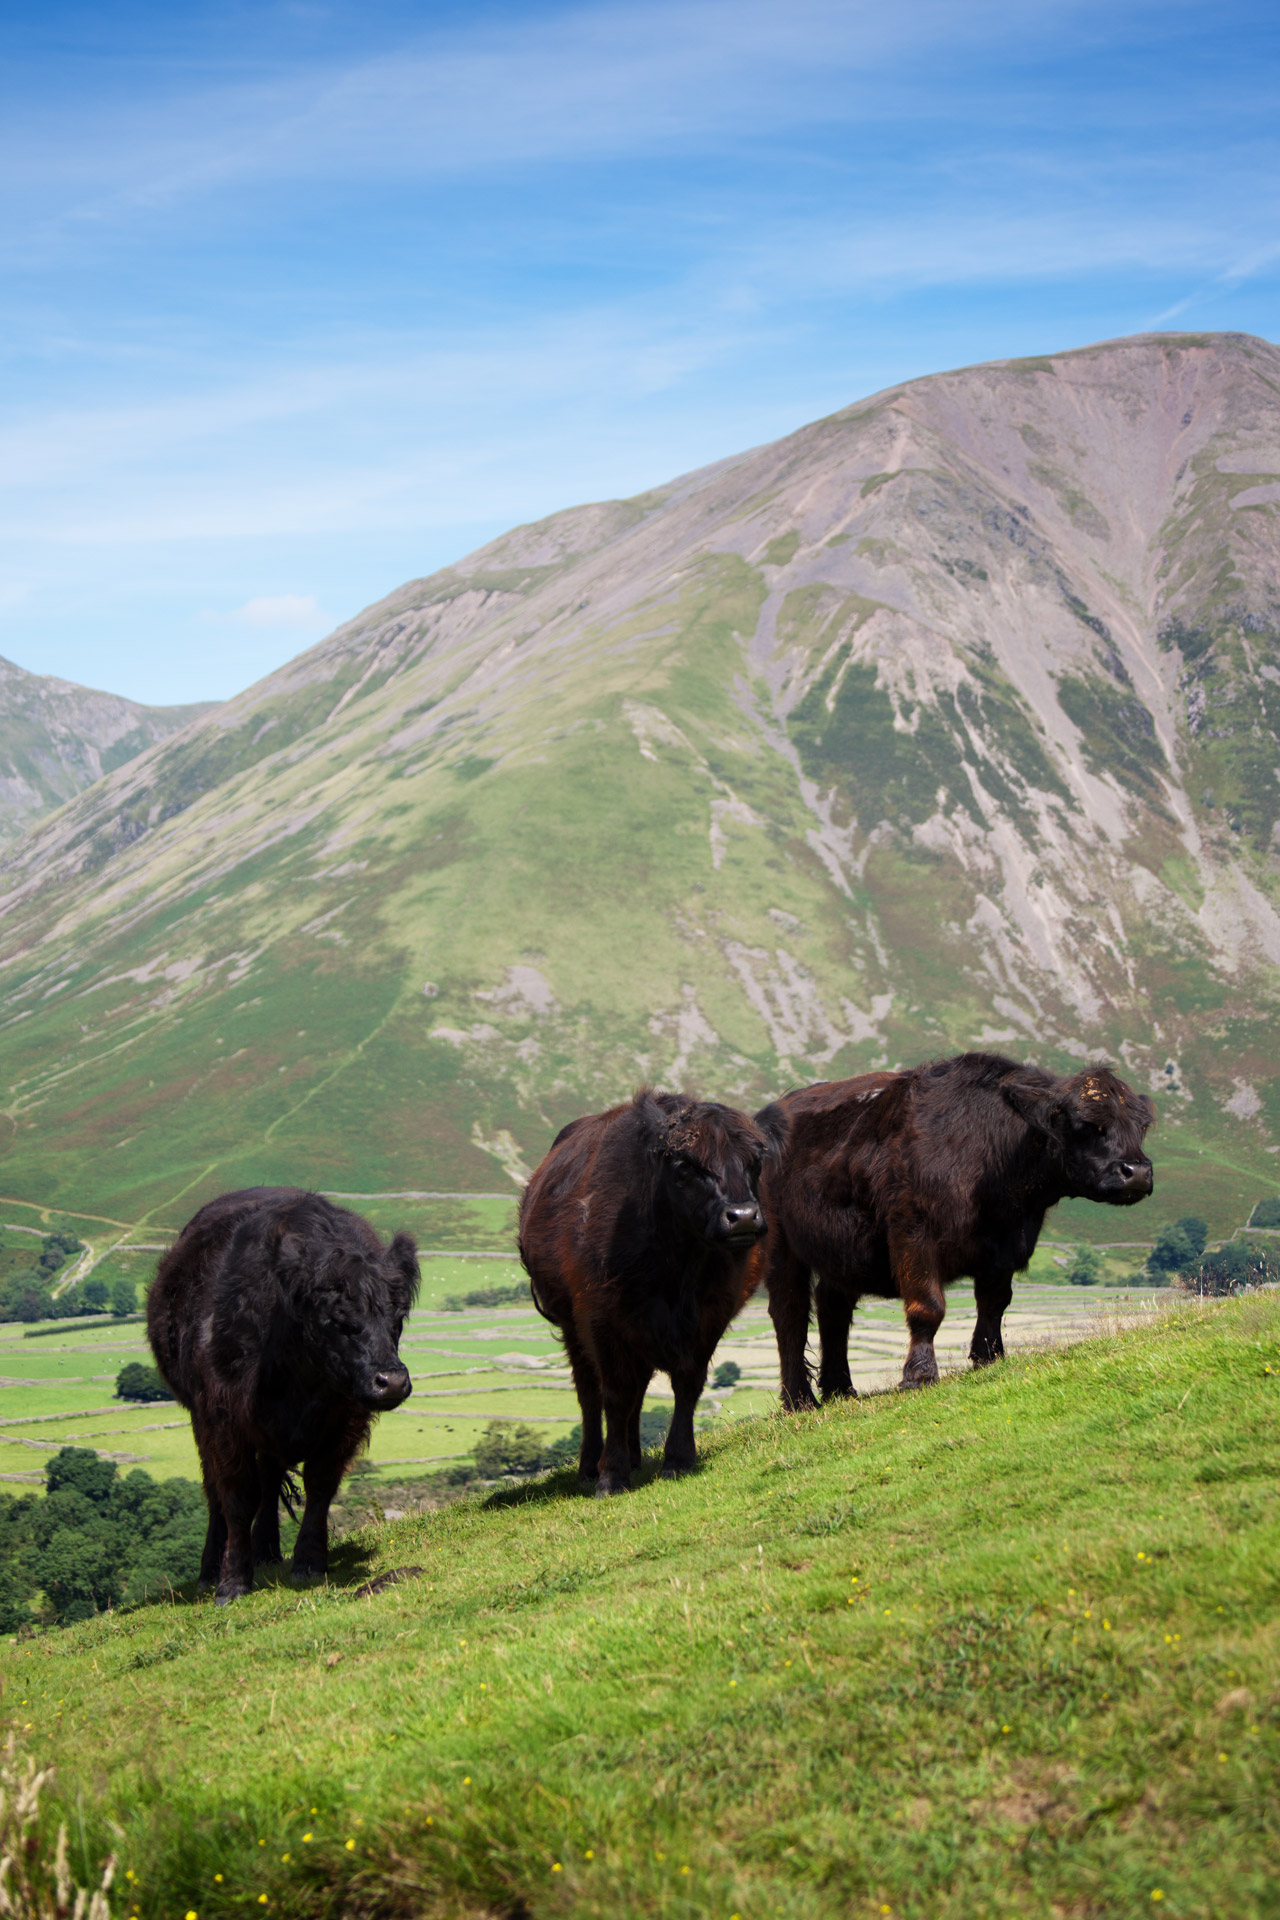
<point x="275" y="1318"/>
<point x="642" y="1237"/>
<point x="895" y="1184"/>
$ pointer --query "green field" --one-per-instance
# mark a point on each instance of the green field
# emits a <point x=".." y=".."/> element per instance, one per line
<point x="1009" y="1647"/>
<point x="468" y="1367"/>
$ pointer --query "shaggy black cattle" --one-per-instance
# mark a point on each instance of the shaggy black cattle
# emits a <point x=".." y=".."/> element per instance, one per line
<point x="895" y="1184"/>
<point x="641" y="1234"/>
<point x="275" y="1318"/>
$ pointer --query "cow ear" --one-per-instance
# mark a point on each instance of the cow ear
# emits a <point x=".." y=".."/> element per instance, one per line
<point x="775" y="1125"/>
<point x="404" y="1257"/>
<point x="655" y="1125"/>
<point x="1040" y="1106"/>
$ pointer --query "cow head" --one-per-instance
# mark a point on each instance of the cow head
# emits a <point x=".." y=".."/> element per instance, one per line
<point x="708" y="1159"/>
<point x="1095" y="1125"/>
<point x="356" y="1299"/>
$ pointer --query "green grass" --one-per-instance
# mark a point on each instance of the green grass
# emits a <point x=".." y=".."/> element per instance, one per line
<point x="1007" y="1647"/>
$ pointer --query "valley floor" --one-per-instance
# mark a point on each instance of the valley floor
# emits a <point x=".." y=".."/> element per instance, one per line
<point x="1007" y="1647"/>
<point x="468" y="1367"/>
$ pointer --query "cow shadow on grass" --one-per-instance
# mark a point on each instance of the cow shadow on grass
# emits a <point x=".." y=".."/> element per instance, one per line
<point x="350" y="1564"/>
<point x="564" y="1484"/>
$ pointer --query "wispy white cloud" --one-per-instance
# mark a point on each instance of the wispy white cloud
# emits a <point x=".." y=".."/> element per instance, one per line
<point x="383" y="305"/>
<point x="281" y="612"/>
<point x="589" y="82"/>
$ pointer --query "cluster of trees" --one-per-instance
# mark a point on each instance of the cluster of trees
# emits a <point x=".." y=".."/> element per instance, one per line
<point x="1177" y="1248"/>
<point x="1180" y="1258"/>
<point x="512" y="1446"/>
<point x="94" y="1540"/>
<point x="137" y="1382"/>
<point x="30" y="1296"/>
<point x="1229" y="1269"/>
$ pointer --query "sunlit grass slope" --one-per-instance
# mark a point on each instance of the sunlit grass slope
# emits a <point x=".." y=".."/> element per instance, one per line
<point x="1007" y="1647"/>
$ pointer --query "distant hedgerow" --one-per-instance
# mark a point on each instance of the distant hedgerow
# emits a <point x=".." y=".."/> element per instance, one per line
<point x="518" y="1295"/>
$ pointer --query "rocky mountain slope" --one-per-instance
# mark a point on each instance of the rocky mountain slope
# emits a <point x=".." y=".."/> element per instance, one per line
<point x="56" y="739"/>
<point x="948" y="720"/>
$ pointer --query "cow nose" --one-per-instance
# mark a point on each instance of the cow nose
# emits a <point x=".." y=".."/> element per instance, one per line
<point x="391" y="1386"/>
<point x="737" y="1222"/>
<point x="1138" y="1173"/>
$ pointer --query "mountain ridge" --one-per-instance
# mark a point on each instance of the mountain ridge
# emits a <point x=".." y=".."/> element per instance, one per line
<point x="57" y="738"/>
<point x="953" y="718"/>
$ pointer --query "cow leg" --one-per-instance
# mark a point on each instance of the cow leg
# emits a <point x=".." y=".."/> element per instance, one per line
<point x="266" y="1526"/>
<point x="586" y="1382"/>
<point x="925" y="1306"/>
<point x="321" y="1479"/>
<point x="624" y="1387"/>
<point x="215" y="1544"/>
<point x="680" y="1455"/>
<point x="239" y="1496"/>
<point x="634" y="1444"/>
<point x="215" y="1539"/>
<point x="992" y="1293"/>
<point x="835" y="1311"/>
<point x="788" y="1283"/>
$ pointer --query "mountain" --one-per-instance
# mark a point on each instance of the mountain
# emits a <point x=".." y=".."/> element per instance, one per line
<point x="56" y="739"/>
<point x="950" y="720"/>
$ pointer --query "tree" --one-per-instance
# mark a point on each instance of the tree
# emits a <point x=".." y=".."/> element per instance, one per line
<point x="136" y="1382"/>
<point x="506" y="1448"/>
<point x="55" y="1250"/>
<point x="96" y="1539"/>
<point x="95" y="1294"/>
<point x="124" y="1296"/>
<point x="1086" y="1269"/>
<point x="25" y="1297"/>
<point x="727" y="1374"/>
<point x="1177" y="1247"/>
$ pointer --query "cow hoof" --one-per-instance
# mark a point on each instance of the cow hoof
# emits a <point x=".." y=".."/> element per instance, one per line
<point x="606" y="1488"/>
<point x="224" y="1599"/>
<point x="673" y="1470"/>
<point x="909" y="1382"/>
<point x="845" y="1392"/>
<point x="799" y="1404"/>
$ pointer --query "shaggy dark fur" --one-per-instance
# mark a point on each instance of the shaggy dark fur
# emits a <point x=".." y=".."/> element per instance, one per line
<point x="275" y="1318"/>
<point x="898" y="1183"/>
<point x="642" y="1237"/>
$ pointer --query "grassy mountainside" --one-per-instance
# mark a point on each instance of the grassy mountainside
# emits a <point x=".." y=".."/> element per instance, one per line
<point x="1007" y="1647"/>
<point x="57" y="738"/>
<point x="949" y="720"/>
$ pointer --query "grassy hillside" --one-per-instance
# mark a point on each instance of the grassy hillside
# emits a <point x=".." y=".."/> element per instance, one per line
<point x="1008" y="1647"/>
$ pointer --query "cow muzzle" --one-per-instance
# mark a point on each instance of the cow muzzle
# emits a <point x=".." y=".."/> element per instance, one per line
<point x="1131" y="1181"/>
<point x="388" y="1387"/>
<point x="743" y="1225"/>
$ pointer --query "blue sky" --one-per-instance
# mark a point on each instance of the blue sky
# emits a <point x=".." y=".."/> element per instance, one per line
<point x="300" y="301"/>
